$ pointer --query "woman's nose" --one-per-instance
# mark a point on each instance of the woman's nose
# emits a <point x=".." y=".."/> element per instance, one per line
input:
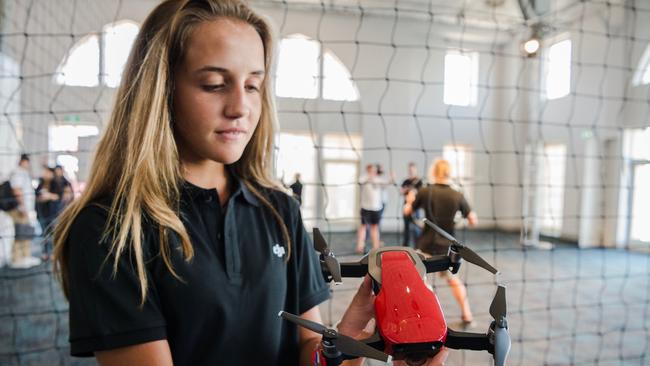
<point x="236" y="104"/>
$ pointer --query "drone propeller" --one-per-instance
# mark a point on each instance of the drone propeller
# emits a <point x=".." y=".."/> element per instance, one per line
<point x="347" y="345"/>
<point x="465" y="252"/>
<point x="501" y="336"/>
<point x="330" y="260"/>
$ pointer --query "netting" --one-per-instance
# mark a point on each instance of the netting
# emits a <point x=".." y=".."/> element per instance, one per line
<point x="549" y="146"/>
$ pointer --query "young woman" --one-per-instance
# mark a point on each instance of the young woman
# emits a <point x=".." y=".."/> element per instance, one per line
<point x="182" y="249"/>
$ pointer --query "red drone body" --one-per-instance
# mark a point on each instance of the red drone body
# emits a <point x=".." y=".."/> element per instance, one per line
<point x="410" y="324"/>
<point x="406" y="311"/>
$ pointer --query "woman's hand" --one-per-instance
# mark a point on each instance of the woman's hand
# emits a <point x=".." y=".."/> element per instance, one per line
<point x="359" y="313"/>
<point x="360" y="310"/>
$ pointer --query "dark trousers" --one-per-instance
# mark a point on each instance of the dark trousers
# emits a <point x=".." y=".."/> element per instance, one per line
<point x="410" y="233"/>
<point x="47" y="224"/>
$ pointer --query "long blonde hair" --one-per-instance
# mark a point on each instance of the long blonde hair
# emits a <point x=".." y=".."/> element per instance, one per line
<point x="137" y="160"/>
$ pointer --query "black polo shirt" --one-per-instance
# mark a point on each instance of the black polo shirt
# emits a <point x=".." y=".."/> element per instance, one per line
<point x="440" y="203"/>
<point x="225" y="311"/>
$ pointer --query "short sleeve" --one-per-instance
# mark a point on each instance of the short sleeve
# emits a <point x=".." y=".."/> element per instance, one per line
<point x="312" y="289"/>
<point x="420" y="197"/>
<point x="464" y="206"/>
<point x="105" y="310"/>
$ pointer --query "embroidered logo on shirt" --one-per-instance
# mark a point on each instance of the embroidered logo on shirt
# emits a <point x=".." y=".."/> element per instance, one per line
<point x="278" y="250"/>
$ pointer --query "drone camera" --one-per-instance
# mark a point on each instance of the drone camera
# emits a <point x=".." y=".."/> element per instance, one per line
<point x="413" y="353"/>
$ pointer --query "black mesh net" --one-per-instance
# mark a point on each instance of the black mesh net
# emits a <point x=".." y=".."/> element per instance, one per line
<point x="548" y="141"/>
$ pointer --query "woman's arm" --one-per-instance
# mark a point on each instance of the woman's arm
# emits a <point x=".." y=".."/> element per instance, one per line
<point x="309" y="341"/>
<point x="155" y="353"/>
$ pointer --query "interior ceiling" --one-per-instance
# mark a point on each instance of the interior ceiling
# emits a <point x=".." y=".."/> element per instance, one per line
<point x="477" y="20"/>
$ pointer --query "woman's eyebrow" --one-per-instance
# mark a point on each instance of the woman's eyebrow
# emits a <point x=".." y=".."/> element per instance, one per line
<point x="222" y="70"/>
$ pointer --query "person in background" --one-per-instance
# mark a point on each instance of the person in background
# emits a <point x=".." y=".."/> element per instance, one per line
<point x="48" y="207"/>
<point x="384" y="191"/>
<point x="296" y="188"/>
<point x="410" y="186"/>
<point x="440" y="203"/>
<point x="64" y="184"/>
<point x="21" y="183"/>
<point x="371" y="207"/>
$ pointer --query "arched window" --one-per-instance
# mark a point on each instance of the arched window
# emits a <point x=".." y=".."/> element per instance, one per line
<point x="299" y="72"/>
<point x="118" y="41"/>
<point x="81" y="66"/>
<point x="642" y="73"/>
<point x="337" y="82"/>
<point x="557" y="70"/>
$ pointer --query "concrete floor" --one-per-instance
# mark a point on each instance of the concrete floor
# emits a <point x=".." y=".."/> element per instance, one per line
<point x="565" y="306"/>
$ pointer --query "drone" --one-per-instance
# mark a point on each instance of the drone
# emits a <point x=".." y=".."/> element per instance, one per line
<point x="410" y="322"/>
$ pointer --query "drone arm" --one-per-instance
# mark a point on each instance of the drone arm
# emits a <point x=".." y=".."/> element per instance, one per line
<point x="347" y="270"/>
<point x="439" y="263"/>
<point x="354" y="269"/>
<point x="470" y="341"/>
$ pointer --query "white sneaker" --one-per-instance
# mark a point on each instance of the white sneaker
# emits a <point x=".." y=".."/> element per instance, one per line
<point x="27" y="262"/>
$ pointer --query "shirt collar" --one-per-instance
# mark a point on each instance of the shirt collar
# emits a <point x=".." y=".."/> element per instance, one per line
<point x="239" y="189"/>
<point x="247" y="194"/>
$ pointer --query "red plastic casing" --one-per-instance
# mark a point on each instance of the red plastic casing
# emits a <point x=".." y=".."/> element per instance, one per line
<point x="406" y="310"/>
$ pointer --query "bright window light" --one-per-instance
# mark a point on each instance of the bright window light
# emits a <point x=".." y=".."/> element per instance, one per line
<point x="460" y="158"/>
<point x="558" y="70"/>
<point x="552" y="188"/>
<point x="118" y="41"/>
<point x="289" y="146"/>
<point x="640" y="230"/>
<point x="461" y="79"/>
<point x="298" y="68"/>
<point x="341" y="169"/>
<point x="81" y="66"/>
<point x="642" y="74"/>
<point x="69" y="163"/>
<point x="337" y="83"/>
<point x="341" y="185"/>
<point x="341" y="147"/>
<point x="66" y="137"/>
<point x="637" y="144"/>
<point x="298" y="73"/>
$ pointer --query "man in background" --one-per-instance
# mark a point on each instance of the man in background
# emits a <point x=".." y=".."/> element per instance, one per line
<point x="296" y="188"/>
<point x="410" y="185"/>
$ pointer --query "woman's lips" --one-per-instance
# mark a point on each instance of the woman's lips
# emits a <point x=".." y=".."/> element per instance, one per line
<point x="232" y="134"/>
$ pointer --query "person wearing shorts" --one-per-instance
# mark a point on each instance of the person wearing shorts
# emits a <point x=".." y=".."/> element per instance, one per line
<point x="371" y="206"/>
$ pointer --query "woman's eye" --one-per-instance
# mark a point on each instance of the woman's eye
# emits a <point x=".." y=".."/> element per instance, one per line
<point x="252" y="88"/>
<point x="212" y="87"/>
